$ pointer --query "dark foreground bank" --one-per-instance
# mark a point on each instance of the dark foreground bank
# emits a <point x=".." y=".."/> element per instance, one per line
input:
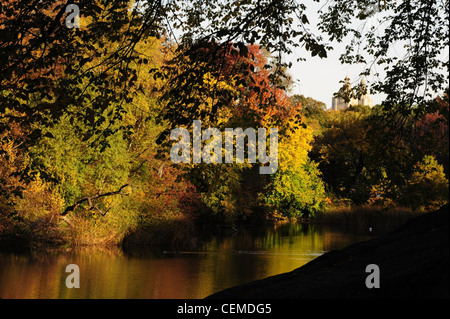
<point x="413" y="262"/>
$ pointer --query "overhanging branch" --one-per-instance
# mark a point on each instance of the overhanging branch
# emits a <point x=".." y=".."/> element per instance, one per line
<point x="90" y="199"/>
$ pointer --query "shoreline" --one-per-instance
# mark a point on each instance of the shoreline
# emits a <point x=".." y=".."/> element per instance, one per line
<point x="168" y="234"/>
<point x="413" y="262"/>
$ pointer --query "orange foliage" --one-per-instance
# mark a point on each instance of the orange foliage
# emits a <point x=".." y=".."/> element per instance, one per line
<point x="267" y="102"/>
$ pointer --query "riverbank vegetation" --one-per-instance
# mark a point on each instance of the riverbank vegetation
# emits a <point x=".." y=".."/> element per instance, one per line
<point x="368" y="217"/>
<point x="85" y="121"/>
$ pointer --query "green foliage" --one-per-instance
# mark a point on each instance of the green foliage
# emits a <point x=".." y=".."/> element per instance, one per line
<point x="297" y="192"/>
<point x="370" y="158"/>
<point x="76" y="165"/>
<point x="427" y="188"/>
<point x="78" y="168"/>
<point x="85" y="113"/>
<point x="314" y="112"/>
<point x="342" y="151"/>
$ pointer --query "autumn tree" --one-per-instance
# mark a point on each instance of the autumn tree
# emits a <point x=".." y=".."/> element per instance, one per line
<point x="95" y="93"/>
<point x="36" y="41"/>
<point x="343" y="151"/>
<point x="427" y="188"/>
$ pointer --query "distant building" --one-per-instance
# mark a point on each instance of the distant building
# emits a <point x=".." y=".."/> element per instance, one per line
<point x="345" y="97"/>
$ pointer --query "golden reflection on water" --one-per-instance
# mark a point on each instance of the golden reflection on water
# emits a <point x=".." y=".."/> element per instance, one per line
<point x="219" y="264"/>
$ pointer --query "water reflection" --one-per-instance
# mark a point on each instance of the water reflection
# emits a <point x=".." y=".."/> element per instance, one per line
<point x="220" y="263"/>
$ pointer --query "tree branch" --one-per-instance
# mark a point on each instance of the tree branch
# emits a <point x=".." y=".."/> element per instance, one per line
<point x="89" y="199"/>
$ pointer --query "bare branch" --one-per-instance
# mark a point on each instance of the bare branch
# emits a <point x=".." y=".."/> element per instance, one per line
<point x="90" y="199"/>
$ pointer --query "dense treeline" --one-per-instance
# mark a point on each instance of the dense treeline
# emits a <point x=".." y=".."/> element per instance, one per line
<point x="127" y="186"/>
<point x="86" y="115"/>
<point x="365" y="157"/>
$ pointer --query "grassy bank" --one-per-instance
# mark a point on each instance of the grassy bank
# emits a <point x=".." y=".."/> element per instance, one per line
<point x="176" y="230"/>
<point x="363" y="217"/>
<point x="41" y="233"/>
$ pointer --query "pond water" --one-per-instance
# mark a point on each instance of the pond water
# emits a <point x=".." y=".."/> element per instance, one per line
<point x="219" y="263"/>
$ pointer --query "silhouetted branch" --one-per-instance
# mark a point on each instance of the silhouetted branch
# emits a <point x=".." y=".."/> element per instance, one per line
<point x="90" y="199"/>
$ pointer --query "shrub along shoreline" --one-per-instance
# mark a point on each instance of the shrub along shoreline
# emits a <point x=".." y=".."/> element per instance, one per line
<point x="177" y="231"/>
<point x="365" y="216"/>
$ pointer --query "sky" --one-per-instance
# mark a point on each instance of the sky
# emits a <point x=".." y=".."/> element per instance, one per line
<point x="319" y="78"/>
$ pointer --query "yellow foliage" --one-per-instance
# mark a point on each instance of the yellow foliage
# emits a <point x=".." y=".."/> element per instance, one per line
<point x="294" y="147"/>
<point x="39" y="200"/>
